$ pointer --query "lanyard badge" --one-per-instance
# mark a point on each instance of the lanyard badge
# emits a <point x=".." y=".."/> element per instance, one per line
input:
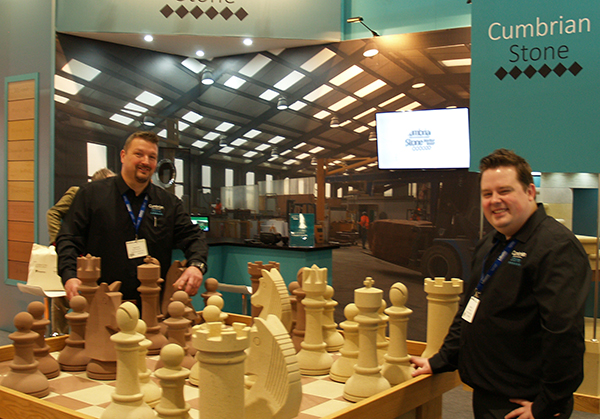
<point x="136" y="248"/>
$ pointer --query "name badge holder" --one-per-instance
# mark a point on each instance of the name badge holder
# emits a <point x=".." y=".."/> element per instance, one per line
<point x="136" y="248"/>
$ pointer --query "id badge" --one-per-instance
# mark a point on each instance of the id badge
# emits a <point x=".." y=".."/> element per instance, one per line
<point x="137" y="248"/>
<point x="471" y="309"/>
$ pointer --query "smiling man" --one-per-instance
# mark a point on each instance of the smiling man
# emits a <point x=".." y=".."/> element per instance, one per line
<point x="125" y="218"/>
<point x="517" y="338"/>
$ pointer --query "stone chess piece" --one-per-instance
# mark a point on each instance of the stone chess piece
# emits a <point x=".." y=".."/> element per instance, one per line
<point x="396" y="366"/>
<point x="24" y="375"/>
<point x="343" y="367"/>
<point x="442" y="304"/>
<point x="48" y="365"/>
<point x="190" y="314"/>
<point x="313" y="357"/>
<point x="177" y="326"/>
<point x="255" y="271"/>
<point x="300" y="325"/>
<point x="173" y="274"/>
<point x="367" y="379"/>
<point x="172" y="377"/>
<point x="88" y="272"/>
<point x="127" y="399"/>
<point x="73" y="357"/>
<point x="382" y="340"/>
<point x="149" y="388"/>
<point x="211" y="285"/>
<point x="273" y="298"/>
<point x="294" y="285"/>
<point x="332" y="337"/>
<point x="148" y="274"/>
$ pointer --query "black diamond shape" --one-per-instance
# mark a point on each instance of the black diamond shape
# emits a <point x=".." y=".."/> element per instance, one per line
<point x="530" y="71"/>
<point x="501" y="73"/>
<point x="181" y="11"/>
<point x="166" y="11"/>
<point x="226" y="13"/>
<point x="241" y="14"/>
<point x="544" y="70"/>
<point x="197" y="12"/>
<point x="560" y="69"/>
<point x="212" y="13"/>
<point x="575" y="68"/>
<point x="515" y="72"/>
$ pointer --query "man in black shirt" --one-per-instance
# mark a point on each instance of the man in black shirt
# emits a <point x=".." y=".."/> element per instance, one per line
<point x="125" y="218"/>
<point x="518" y="336"/>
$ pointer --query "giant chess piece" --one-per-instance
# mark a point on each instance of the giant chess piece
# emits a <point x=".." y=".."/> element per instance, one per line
<point x="177" y="326"/>
<point x="127" y="399"/>
<point x="313" y="357"/>
<point x="149" y="276"/>
<point x="396" y="367"/>
<point x="173" y="274"/>
<point x="48" y="365"/>
<point x="24" y="375"/>
<point x="73" y="357"/>
<point x="172" y="377"/>
<point x="382" y="340"/>
<point x="332" y="337"/>
<point x="300" y="325"/>
<point x="367" y="379"/>
<point x="273" y="298"/>
<point x="191" y="315"/>
<point x="211" y="314"/>
<point x="88" y="272"/>
<point x="221" y="355"/>
<point x="211" y="285"/>
<point x="294" y="285"/>
<point x="343" y="367"/>
<point x="255" y="271"/>
<point x="442" y="304"/>
<point x="149" y="388"/>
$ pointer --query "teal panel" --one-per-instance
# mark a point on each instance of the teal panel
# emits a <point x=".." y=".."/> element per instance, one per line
<point x="545" y="107"/>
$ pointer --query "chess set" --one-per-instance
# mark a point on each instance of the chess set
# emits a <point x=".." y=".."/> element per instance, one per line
<point x="317" y="368"/>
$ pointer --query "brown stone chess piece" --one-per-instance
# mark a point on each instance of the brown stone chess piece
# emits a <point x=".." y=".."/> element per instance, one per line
<point x="48" y="365"/>
<point x="211" y="285"/>
<point x="190" y="314"/>
<point x="177" y="325"/>
<point x="149" y="276"/>
<point x="24" y="375"/>
<point x="73" y="357"/>
<point x="255" y="271"/>
<point x="88" y="272"/>
<point x="173" y="274"/>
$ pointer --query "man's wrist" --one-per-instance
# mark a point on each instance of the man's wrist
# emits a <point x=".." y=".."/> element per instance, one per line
<point x="200" y="265"/>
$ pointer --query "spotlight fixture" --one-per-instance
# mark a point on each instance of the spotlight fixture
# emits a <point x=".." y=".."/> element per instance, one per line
<point x="207" y="78"/>
<point x="335" y="122"/>
<point x="313" y="161"/>
<point x="222" y="143"/>
<point x="148" y="38"/>
<point x="274" y="152"/>
<point x="418" y="84"/>
<point x="282" y="103"/>
<point x="248" y="42"/>
<point x="148" y="121"/>
<point x="359" y="19"/>
<point x="370" y="50"/>
<point x="372" y="136"/>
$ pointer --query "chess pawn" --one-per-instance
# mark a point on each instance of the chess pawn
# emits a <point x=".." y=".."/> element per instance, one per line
<point x="88" y="272"/>
<point x="343" y="367"/>
<point x="24" y="375"/>
<point x="173" y="274"/>
<point x="172" y="377"/>
<point x="442" y="304"/>
<point x="149" y="388"/>
<point x="294" y="285"/>
<point x="313" y="358"/>
<point x="127" y="399"/>
<point x="299" y="327"/>
<point x="366" y="379"/>
<point x="176" y="328"/>
<point x="189" y="314"/>
<point x="73" y="357"/>
<point x="48" y="365"/>
<point x="148" y="274"/>
<point x="396" y="367"/>
<point x="217" y="301"/>
<point x="211" y="285"/>
<point x="382" y="341"/>
<point x="332" y="337"/>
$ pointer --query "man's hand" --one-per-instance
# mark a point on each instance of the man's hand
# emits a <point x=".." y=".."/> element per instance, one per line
<point x="421" y="366"/>
<point x="523" y="412"/>
<point x="72" y="287"/>
<point x="189" y="281"/>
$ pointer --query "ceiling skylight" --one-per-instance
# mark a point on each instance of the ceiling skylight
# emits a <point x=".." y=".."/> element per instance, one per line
<point x="199" y="144"/>
<point x="250" y="153"/>
<point x="238" y="142"/>
<point x="342" y="103"/>
<point x="297" y="105"/>
<point x="234" y="82"/>
<point x="283" y="153"/>
<point x="346" y="122"/>
<point x="317" y="60"/>
<point x="148" y="98"/>
<point x="349" y="156"/>
<point x="65" y="85"/>
<point x="395" y="98"/>
<point x="322" y="114"/>
<point x="290" y="161"/>
<point x="211" y="136"/>
<point x="317" y="93"/>
<point x="409" y="107"/>
<point x="262" y="147"/>
<point x="460" y="62"/>
<point x="224" y="126"/>
<point x="121" y="119"/>
<point x="81" y="70"/>
<point x="297" y="146"/>
<point x="182" y="125"/>
<point x="316" y="150"/>
<point x="368" y="111"/>
<point x="252" y="133"/>
<point x="193" y="65"/>
<point x="226" y="149"/>
<point x="289" y="80"/>
<point x="360" y="169"/>
<point x="277" y="139"/>
<point x="60" y="99"/>
<point x="269" y="94"/>
<point x="134" y="107"/>
<point x="346" y="75"/>
<point x="361" y="129"/>
<point x="302" y="156"/>
<point x="255" y="65"/>
<point x="162" y="133"/>
<point x="192" y="117"/>
<point x="370" y="88"/>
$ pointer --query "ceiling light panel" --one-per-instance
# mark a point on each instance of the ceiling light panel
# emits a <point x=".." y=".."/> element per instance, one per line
<point x="317" y="93"/>
<point x="226" y="150"/>
<point x="238" y="142"/>
<point x="392" y="100"/>
<point x="297" y="105"/>
<point x="81" y="70"/>
<point x="134" y="107"/>
<point x="65" y="85"/>
<point x="60" y="99"/>
<point x="322" y="114"/>
<point x="348" y="100"/>
<point x="134" y="113"/>
<point x="360" y="169"/>
<point x="277" y="139"/>
<point x="148" y="98"/>
<point x="365" y="113"/>
<point x="361" y="129"/>
<point x="288" y="81"/>
<point x="346" y="75"/>
<point x="317" y="60"/>
<point x="121" y="119"/>
<point x="254" y="65"/>
<point x="182" y="125"/>
<point x="199" y="144"/>
<point x="193" y="65"/>
<point x="283" y="153"/>
<point x="349" y="156"/>
<point x="262" y="147"/>
<point x="290" y="161"/>
<point x="269" y="95"/>
<point x="211" y="136"/>
<point x="192" y="117"/>
<point x="252" y="133"/>
<point x="297" y="146"/>
<point x="409" y="107"/>
<point x="370" y="88"/>
<point x="250" y="153"/>
<point x="162" y="133"/>
<point x="316" y="150"/>
<point x="234" y="82"/>
<point x="224" y="126"/>
<point x="302" y="156"/>
<point x="461" y="62"/>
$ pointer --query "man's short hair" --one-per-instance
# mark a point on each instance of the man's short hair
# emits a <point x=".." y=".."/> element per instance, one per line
<point x="503" y="157"/>
<point x="144" y="135"/>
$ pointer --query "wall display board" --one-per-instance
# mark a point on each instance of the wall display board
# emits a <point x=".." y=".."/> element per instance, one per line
<point x="535" y="80"/>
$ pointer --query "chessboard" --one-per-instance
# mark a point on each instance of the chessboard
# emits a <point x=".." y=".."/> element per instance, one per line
<point x="75" y="396"/>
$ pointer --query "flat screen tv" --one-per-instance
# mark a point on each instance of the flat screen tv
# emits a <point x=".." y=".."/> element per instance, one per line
<point x="430" y="139"/>
<point x="201" y="221"/>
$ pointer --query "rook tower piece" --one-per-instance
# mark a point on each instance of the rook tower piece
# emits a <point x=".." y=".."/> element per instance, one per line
<point x="442" y="304"/>
<point x="88" y="271"/>
<point x="172" y="377"/>
<point x="127" y="399"/>
<point x="149" y="276"/>
<point x="73" y="357"/>
<point x="396" y="367"/>
<point x="48" y="365"/>
<point x="313" y="357"/>
<point x="367" y="379"/>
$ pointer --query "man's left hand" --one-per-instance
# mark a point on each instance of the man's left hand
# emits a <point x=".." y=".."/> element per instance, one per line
<point x="189" y="281"/>
<point x="523" y="412"/>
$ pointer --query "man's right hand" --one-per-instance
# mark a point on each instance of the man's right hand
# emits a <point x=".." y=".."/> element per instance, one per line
<point x="72" y="287"/>
<point x="421" y="364"/>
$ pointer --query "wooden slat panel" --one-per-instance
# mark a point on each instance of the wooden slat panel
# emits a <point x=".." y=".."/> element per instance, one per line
<point x="18" y="90"/>
<point x="20" y="231"/>
<point x="21" y="191"/>
<point x="18" y="270"/>
<point x="19" y="110"/>
<point x="21" y="170"/>
<point x="20" y="211"/>
<point x="19" y="251"/>
<point x="21" y="150"/>
<point x="21" y="130"/>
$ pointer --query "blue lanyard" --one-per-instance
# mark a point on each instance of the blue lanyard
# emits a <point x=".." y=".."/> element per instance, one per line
<point x="485" y="277"/>
<point x="136" y="222"/>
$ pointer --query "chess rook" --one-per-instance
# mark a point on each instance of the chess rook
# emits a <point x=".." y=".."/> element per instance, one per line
<point x="88" y="272"/>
